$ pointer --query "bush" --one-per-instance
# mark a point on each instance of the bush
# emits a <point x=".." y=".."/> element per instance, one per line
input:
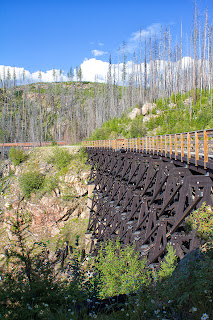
<point x="50" y="184"/>
<point x="60" y="157"/>
<point x="202" y="221"/>
<point x="120" y="270"/>
<point x="30" y="286"/>
<point x="137" y="128"/>
<point x="17" y="155"/>
<point x="31" y="181"/>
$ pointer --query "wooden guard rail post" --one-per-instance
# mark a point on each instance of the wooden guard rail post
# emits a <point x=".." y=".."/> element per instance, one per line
<point x="190" y="147"/>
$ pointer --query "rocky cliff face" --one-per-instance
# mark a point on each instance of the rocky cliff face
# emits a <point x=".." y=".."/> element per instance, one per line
<point x="64" y="208"/>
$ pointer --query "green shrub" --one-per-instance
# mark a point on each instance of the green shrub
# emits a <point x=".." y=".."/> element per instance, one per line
<point x="168" y="266"/>
<point x="120" y="270"/>
<point x="31" y="181"/>
<point x="53" y="143"/>
<point x="50" y="184"/>
<point x="202" y="221"/>
<point x="17" y="155"/>
<point x="137" y="128"/>
<point x="60" y="157"/>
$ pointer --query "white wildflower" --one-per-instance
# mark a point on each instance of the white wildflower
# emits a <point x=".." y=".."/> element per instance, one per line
<point x="204" y="316"/>
<point x="194" y="309"/>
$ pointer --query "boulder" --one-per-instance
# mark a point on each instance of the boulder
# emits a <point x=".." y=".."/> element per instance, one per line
<point x="134" y="113"/>
<point x="148" y="107"/>
<point x="149" y="116"/>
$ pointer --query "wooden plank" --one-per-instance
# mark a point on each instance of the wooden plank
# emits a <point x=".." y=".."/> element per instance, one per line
<point x="181" y="145"/>
<point x="157" y="145"/>
<point x="188" y="147"/>
<point x="170" y="144"/>
<point x="146" y="144"/>
<point x="165" y="146"/>
<point x="205" y="140"/>
<point x="196" y="148"/>
<point x="176" y="147"/>
<point x="153" y="144"/>
<point x="161" y="145"/>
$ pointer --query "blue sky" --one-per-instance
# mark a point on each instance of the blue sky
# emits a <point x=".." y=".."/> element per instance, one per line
<point x="46" y="34"/>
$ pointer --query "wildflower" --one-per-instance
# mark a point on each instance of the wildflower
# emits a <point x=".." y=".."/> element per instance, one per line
<point x="194" y="309"/>
<point x="66" y="298"/>
<point x="169" y="301"/>
<point x="69" y="310"/>
<point x="204" y="316"/>
<point x="30" y="308"/>
<point x="46" y="304"/>
<point x="133" y="311"/>
<point x="205" y="291"/>
<point x="210" y="300"/>
<point x="156" y="311"/>
<point x="88" y="300"/>
<point x="152" y="301"/>
<point x="94" y="315"/>
<point x="122" y="309"/>
<point x="127" y="314"/>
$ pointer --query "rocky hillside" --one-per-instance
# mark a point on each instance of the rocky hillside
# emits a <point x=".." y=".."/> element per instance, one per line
<point x="56" y="209"/>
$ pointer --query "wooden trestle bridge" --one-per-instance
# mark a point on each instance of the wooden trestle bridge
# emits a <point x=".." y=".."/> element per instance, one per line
<point x="144" y="189"/>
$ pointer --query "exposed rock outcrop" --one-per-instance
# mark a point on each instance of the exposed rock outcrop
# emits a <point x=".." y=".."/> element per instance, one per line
<point x="148" y="107"/>
<point x="134" y="113"/>
<point x="49" y="212"/>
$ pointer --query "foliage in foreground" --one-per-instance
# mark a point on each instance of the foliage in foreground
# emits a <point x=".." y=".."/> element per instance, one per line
<point x="120" y="270"/>
<point x="39" y="291"/>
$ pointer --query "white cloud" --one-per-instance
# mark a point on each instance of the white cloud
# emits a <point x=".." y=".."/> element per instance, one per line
<point x="94" y="70"/>
<point x="98" y="53"/>
<point x="24" y="76"/>
<point x="101" y="44"/>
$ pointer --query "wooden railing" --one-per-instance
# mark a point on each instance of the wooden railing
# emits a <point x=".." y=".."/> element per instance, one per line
<point x="26" y="145"/>
<point x="190" y="147"/>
